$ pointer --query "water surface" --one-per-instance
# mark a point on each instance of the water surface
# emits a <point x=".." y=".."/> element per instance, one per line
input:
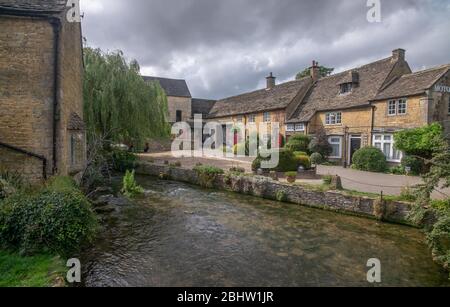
<point x="180" y="235"/>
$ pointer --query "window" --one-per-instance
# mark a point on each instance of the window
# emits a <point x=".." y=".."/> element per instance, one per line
<point x="290" y="127"/>
<point x="392" y="108"/>
<point x="252" y="118"/>
<point x="385" y="142"/>
<point x="300" y="127"/>
<point x="179" y="116"/>
<point x="397" y="107"/>
<point x="346" y="88"/>
<point x="73" y="144"/>
<point x="336" y="145"/>
<point x="267" y="117"/>
<point x="402" y="107"/>
<point x="333" y="118"/>
<point x="240" y="119"/>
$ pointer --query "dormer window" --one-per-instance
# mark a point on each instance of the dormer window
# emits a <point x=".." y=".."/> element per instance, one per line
<point x="346" y="88"/>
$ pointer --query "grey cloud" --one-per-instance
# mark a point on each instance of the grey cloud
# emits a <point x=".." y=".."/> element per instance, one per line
<point x="223" y="47"/>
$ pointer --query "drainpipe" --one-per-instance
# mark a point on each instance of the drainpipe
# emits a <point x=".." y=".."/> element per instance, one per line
<point x="56" y="24"/>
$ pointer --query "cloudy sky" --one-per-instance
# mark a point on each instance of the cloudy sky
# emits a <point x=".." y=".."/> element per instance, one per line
<point x="226" y="47"/>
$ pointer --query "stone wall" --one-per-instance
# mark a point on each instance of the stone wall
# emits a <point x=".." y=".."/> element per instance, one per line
<point x="26" y="92"/>
<point x="269" y="189"/>
<point x="27" y="60"/>
<point x="182" y="104"/>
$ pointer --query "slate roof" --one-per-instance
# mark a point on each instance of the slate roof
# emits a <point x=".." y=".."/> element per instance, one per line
<point x="33" y="6"/>
<point x="261" y="100"/>
<point x="325" y="94"/>
<point x="202" y="106"/>
<point x="172" y="87"/>
<point x="414" y="83"/>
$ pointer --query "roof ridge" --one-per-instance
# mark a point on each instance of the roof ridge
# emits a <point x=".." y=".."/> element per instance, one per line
<point x="355" y="68"/>
<point x="443" y="66"/>
<point x="165" y="78"/>
<point x="264" y="89"/>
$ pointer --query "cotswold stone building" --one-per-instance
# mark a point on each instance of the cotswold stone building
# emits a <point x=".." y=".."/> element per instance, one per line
<point x="360" y="107"/>
<point x="41" y="114"/>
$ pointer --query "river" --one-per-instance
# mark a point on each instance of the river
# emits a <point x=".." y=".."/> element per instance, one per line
<point x="181" y="235"/>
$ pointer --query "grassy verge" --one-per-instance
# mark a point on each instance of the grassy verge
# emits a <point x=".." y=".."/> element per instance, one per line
<point x="30" y="271"/>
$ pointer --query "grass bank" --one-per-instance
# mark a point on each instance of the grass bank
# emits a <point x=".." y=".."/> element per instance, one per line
<point x="30" y="271"/>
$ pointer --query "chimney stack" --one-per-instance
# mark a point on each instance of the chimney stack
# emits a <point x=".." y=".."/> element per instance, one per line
<point x="315" y="71"/>
<point x="398" y="54"/>
<point x="270" y="81"/>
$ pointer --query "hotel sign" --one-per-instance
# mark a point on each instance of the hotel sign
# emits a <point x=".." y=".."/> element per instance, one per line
<point x="442" y="88"/>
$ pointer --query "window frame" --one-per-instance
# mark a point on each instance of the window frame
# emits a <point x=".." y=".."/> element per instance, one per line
<point x="335" y="143"/>
<point x="382" y="141"/>
<point x="292" y="129"/>
<point x="348" y="87"/>
<point x="396" y="104"/>
<point x="252" y="118"/>
<point x="302" y="129"/>
<point x="337" y="115"/>
<point x="178" y="114"/>
<point x="389" y="108"/>
<point x="267" y="117"/>
<point x="405" y="101"/>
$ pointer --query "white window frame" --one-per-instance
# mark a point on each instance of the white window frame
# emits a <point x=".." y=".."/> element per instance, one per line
<point x="396" y="104"/>
<point x="252" y="118"/>
<point x="290" y="127"/>
<point x="240" y="119"/>
<point x="267" y="117"/>
<point x="405" y="101"/>
<point x="336" y="143"/>
<point x="382" y="141"/>
<point x="300" y="127"/>
<point x="337" y="119"/>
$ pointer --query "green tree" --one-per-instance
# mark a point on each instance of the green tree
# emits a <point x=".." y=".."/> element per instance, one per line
<point x="119" y="106"/>
<point x="323" y="72"/>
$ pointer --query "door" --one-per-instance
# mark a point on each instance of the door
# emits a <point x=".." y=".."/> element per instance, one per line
<point x="355" y="144"/>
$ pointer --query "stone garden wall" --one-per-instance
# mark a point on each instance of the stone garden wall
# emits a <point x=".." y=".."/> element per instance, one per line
<point x="269" y="189"/>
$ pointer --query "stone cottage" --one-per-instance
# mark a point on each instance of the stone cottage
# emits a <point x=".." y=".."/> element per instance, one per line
<point x="359" y="107"/>
<point x="41" y="115"/>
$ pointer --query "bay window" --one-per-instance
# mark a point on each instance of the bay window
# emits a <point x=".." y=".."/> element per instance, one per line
<point x="336" y="145"/>
<point x="385" y="143"/>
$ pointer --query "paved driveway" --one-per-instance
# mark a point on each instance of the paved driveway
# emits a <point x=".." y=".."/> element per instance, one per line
<point x="375" y="182"/>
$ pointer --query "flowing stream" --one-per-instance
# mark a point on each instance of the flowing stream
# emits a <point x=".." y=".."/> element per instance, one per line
<point x="180" y="235"/>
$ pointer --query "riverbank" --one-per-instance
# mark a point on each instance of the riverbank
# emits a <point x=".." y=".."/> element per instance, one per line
<point x="385" y="210"/>
<point x="30" y="271"/>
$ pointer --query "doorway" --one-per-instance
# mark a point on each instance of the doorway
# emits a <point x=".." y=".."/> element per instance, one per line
<point x="355" y="142"/>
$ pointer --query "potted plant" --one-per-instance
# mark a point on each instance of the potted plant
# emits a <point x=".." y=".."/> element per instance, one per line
<point x="291" y="177"/>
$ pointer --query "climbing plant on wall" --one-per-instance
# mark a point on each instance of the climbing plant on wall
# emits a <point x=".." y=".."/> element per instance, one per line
<point x="119" y="106"/>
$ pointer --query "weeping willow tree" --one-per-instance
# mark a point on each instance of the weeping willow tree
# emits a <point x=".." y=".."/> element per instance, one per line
<point x="119" y="106"/>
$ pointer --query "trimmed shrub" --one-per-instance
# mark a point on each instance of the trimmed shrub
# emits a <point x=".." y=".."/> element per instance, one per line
<point x="298" y="142"/>
<point x="316" y="158"/>
<point x="303" y="161"/>
<point x="57" y="219"/>
<point x="288" y="161"/>
<point x="370" y="159"/>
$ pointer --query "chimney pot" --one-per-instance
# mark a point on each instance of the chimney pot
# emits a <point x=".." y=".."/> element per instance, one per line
<point x="271" y="81"/>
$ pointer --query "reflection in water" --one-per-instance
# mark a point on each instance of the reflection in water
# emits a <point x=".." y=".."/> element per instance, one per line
<point x="181" y="235"/>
